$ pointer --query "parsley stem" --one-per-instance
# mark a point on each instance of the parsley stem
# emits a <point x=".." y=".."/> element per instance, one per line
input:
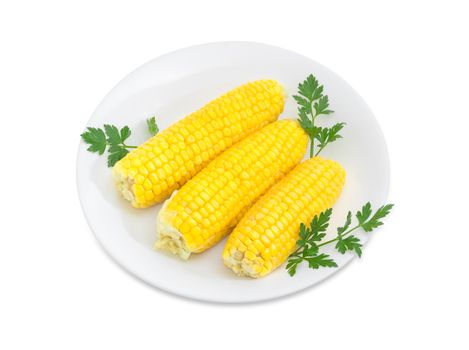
<point x="127" y="146"/>
<point x="311" y="147"/>
<point x="320" y="149"/>
<point x="337" y="238"/>
<point x="296" y="251"/>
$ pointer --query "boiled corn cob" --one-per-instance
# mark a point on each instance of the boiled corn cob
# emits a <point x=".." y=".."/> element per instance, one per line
<point x="151" y="172"/>
<point x="207" y="207"/>
<point x="267" y="234"/>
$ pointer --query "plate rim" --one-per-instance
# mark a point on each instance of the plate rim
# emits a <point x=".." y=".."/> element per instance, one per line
<point x="186" y="294"/>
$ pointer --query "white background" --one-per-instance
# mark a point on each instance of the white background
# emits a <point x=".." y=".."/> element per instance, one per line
<point x="59" y="290"/>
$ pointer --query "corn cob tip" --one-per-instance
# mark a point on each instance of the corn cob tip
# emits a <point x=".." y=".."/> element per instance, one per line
<point x="240" y="266"/>
<point x="124" y="185"/>
<point x="167" y="236"/>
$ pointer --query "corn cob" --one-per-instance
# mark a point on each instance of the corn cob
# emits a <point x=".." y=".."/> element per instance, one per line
<point x="267" y="234"/>
<point x="204" y="210"/>
<point x="151" y="172"/>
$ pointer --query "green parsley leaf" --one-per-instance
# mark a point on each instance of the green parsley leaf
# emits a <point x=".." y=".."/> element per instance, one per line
<point x="375" y="221"/>
<point x="309" y="91"/>
<point x="304" y="233"/>
<point x="125" y="133"/>
<point x="113" y="135"/>
<point x="364" y="214"/>
<point x="310" y="250"/>
<point x="96" y="138"/>
<point x="349" y="243"/>
<point x="114" y="157"/>
<point x="344" y="228"/>
<point x="321" y="106"/>
<point x="303" y="104"/>
<point x="152" y="126"/>
<point x="112" y="138"/>
<point x="292" y="265"/>
<point x="324" y="260"/>
<point x="328" y="135"/>
<point x="309" y="87"/>
<point x="319" y="225"/>
<point x="114" y="148"/>
<point x="322" y="137"/>
<point x="305" y="122"/>
<point x="334" y="132"/>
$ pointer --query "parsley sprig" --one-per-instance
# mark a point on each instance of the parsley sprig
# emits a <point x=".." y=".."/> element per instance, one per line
<point x="311" y="104"/>
<point x="311" y="238"/>
<point x="113" y="139"/>
<point x="152" y="127"/>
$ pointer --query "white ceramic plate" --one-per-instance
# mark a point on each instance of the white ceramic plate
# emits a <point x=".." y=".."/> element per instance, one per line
<point x="178" y="83"/>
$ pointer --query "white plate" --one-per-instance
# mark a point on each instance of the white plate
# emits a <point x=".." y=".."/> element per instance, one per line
<point x="178" y="83"/>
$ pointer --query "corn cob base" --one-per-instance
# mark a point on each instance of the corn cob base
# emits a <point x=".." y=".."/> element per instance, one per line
<point x="168" y="237"/>
<point x="124" y="185"/>
<point x="268" y="233"/>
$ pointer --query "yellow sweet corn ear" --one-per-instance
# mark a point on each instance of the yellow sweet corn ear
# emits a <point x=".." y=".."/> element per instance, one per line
<point x="267" y="234"/>
<point x="165" y="162"/>
<point x="207" y="207"/>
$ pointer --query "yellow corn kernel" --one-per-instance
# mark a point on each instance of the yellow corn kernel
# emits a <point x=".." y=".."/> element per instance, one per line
<point x="196" y="139"/>
<point x="316" y="180"/>
<point x="231" y="191"/>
